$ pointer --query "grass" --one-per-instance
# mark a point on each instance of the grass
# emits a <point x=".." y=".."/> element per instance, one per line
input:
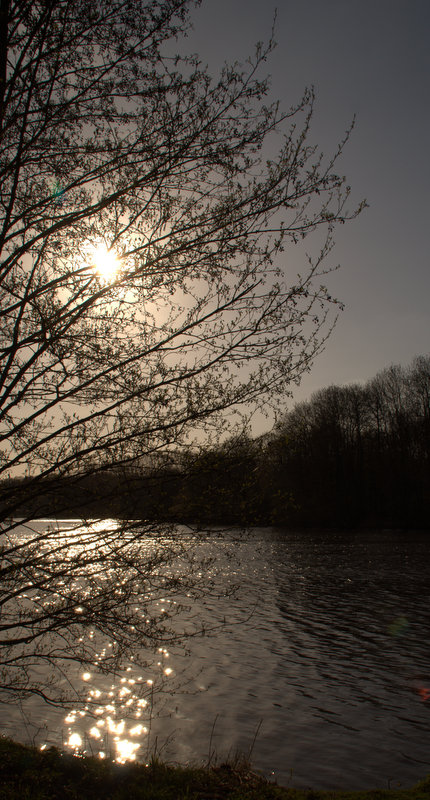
<point x="30" y="774"/>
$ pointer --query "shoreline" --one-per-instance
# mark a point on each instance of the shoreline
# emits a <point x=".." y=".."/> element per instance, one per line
<point x="213" y="524"/>
<point x="51" y="774"/>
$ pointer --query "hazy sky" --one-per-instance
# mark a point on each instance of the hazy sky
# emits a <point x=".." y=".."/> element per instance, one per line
<point x="371" y="58"/>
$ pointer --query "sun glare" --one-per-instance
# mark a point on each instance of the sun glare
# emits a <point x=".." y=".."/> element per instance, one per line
<point x="105" y="263"/>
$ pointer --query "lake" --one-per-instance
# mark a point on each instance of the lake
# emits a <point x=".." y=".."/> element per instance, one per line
<point x="316" y="661"/>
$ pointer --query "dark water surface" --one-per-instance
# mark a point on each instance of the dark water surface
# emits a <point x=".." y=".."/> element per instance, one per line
<point x="325" y="655"/>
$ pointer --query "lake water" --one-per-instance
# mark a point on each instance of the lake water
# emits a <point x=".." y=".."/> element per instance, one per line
<point x="321" y="669"/>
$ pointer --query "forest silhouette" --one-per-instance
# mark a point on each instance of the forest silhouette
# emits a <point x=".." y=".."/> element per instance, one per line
<point x="350" y="456"/>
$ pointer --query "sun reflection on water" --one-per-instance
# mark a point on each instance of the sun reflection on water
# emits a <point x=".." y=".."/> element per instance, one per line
<point x="113" y="727"/>
<point x="112" y="719"/>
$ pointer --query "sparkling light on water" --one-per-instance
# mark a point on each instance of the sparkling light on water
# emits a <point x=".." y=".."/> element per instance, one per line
<point x="74" y="740"/>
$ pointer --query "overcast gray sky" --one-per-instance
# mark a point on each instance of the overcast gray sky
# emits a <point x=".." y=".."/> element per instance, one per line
<point x="371" y="58"/>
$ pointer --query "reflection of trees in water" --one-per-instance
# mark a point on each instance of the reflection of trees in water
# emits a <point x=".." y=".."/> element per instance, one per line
<point x="353" y="610"/>
<point x="314" y="659"/>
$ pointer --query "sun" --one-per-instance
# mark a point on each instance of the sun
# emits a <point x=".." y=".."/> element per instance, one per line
<point x="106" y="263"/>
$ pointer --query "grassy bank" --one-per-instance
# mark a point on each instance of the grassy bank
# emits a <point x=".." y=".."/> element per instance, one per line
<point x="30" y="774"/>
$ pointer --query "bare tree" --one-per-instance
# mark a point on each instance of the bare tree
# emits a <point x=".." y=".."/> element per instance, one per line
<point x="146" y="292"/>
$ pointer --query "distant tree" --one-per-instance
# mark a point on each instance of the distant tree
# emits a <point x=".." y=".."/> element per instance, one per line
<point x="419" y="389"/>
<point x="419" y="382"/>
<point x="145" y="294"/>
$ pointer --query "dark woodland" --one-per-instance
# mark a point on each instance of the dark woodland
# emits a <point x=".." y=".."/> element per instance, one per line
<point x="351" y="456"/>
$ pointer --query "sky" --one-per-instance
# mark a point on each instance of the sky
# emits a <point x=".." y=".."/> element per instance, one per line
<point x="369" y="58"/>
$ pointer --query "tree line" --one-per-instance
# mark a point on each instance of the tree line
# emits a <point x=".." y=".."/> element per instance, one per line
<point x="356" y="455"/>
<point x="350" y="456"/>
